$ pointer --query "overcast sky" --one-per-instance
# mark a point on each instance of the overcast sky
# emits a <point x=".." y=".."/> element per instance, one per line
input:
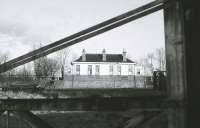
<point x="24" y="23"/>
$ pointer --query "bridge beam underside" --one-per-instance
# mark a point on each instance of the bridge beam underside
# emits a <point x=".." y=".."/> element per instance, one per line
<point x="32" y="120"/>
<point x="143" y="118"/>
<point x="1" y="112"/>
<point x="89" y="104"/>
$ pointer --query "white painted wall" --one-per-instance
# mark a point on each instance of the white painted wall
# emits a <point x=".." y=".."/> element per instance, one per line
<point x="104" y="68"/>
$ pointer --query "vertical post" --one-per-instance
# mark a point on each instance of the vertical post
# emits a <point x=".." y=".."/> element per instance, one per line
<point x="7" y="119"/>
<point x="72" y="81"/>
<point x="114" y="81"/>
<point x="134" y="77"/>
<point x="175" y="60"/>
<point x="192" y="38"/>
<point x="175" y="50"/>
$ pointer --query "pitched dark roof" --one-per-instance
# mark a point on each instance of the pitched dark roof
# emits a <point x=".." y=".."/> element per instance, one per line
<point x="109" y="58"/>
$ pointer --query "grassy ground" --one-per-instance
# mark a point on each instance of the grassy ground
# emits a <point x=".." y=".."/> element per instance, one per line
<point x="85" y="120"/>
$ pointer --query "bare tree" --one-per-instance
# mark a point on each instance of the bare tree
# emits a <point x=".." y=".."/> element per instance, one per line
<point x="151" y="58"/>
<point x="45" y="67"/>
<point x="161" y="59"/>
<point x="62" y="57"/>
<point x="145" y="63"/>
<point x="154" y="60"/>
<point x="52" y="66"/>
<point x="3" y="57"/>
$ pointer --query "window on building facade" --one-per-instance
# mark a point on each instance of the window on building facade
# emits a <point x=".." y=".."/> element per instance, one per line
<point x="89" y="69"/>
<point x="119" y="69"/>
<point x="97" y="70"/>
<point x="130" y="69"/>
<point x="78" y="69"/>
<point x="111" y="69"/>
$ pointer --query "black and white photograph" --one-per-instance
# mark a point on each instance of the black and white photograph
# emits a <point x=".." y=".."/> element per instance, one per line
<point x="99" y="64"/>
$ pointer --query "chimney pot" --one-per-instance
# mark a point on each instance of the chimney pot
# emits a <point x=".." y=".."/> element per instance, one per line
<point x="124" y="55"/>
<point x="104" y="55"/>
<point x="83" y="55"/>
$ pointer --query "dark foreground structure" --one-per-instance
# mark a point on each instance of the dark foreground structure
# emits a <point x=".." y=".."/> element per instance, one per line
<point x="180" y="101"/>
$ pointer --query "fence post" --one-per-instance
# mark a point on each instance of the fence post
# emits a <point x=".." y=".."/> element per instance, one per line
<point x="114" y="81"/>
<point x="134" y="80"/>
<point x="72" y="81"/>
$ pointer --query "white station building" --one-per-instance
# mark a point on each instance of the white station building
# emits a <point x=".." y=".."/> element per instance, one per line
<point x="104" y="64"/>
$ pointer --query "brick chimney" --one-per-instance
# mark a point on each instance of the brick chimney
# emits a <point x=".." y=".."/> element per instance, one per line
<point x="124" y="55"/>
<point x="83" y="55"/>
<point x="104" y="55"/>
